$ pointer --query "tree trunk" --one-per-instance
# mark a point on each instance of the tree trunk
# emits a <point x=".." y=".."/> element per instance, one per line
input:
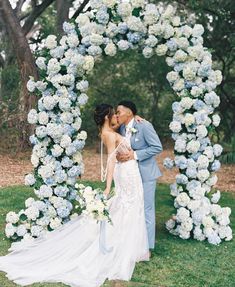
<point x="26" y="64"/>
<point x="62" y="8"/>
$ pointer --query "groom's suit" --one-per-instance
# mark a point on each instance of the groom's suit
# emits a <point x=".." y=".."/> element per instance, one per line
<point x="146" y="144"/>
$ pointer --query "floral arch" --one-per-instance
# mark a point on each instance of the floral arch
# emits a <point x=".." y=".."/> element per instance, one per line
<point x="110" y="26"/>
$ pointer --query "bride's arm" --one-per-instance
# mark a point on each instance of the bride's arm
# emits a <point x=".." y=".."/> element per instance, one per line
<point x="110" y="142"/>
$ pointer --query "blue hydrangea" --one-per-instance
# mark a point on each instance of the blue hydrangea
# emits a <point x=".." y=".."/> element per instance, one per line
<point x="82" y="49"/>
<point x="171" y="44"/>
<point x="178" y="67"/>
<point x="176" y="107"/>
<point x="102" y="16"/>
<point x="134" y="38"/>
<point x="74" y="171"/>
<point x="191" y="172"/>
<point x="181" y="179"/>
<point x="60" y="176"/>
<point x="94" y="51"/>
<point x="216" y="165"/>
<point x="68" y="130"/>
<point x="49" y="181"/>
<point x="66" y="162"/>
<point x="69" y="28"/>
<point x="122" y="28"/>
<point x="72" y="194"/>
<point x="181" y="162"/>
<point x="78" y="144"/>
<point x="63" y="212"/>
<point x="72" y="96"/>
<point x="71" y="149"/>
<point x="33" y="140"/>
<point x="61" y="191"/>
<point x="204" y="70"/>
<point x="189" y="84"/>
<point x="199" y="105"/>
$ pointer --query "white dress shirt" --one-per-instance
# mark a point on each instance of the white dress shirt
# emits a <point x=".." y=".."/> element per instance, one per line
<point x="129" y="134"/>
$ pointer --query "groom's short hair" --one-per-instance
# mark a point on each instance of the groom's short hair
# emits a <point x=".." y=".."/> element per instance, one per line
<point x="130" y="105"/>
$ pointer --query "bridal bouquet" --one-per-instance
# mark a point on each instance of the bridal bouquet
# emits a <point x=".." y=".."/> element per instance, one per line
<point x="93" y="202"/>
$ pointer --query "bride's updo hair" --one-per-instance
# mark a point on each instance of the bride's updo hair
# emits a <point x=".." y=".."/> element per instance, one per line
<point x="101" y="111"/>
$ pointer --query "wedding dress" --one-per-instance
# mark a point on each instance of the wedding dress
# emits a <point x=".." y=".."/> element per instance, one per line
<point x="82" y="252"/>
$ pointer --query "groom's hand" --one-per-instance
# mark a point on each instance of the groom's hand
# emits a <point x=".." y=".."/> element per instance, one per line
<point x="125" y="156"/>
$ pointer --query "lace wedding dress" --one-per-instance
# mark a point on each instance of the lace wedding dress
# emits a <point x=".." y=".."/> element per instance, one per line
<point x="82" y="252"/>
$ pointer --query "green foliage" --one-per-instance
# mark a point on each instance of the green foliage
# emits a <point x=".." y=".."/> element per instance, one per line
<point x="228" y="155"/>
<point x="175" y="262"/>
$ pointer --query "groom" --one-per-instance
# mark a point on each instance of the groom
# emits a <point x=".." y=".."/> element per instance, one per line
<point x="145" y="145"/>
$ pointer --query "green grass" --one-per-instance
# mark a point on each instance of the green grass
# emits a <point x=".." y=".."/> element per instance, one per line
<point x="175" y="262"/>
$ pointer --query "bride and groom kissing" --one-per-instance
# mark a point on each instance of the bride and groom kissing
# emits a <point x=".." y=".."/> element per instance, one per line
<point x="81" y="253"/>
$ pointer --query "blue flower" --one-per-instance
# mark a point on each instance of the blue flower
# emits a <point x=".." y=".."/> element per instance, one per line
<point x="63" y="212"/>
<point x="133" y="37"/>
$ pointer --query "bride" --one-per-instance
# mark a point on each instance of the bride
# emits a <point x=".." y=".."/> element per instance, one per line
<point x="82" y="253"/>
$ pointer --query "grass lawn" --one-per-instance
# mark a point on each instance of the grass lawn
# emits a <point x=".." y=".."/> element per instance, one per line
<point x="175" y="262"/>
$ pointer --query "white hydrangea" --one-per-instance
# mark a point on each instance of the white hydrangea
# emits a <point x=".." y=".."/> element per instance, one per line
<point x="161" y="50"/>
<point x="110" y="49"/>
<point x="32" y="116"/>
<point x="51" y="42"/>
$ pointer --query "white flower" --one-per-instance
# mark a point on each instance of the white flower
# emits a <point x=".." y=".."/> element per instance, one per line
<point x="137" y="3"/>
<point x="172" y="76"/>
<point x="124" y="9"/>
<point x="216" y="120"/>
<point x="217" y="150"/>
<point x="31" y="85"/>
<point x="201" y="131"/>
<point x="161" y="49"/>
<point x="202" y="162"/>
<point x="12" y="217"/>
<point x="215" y="197"/>
<point x="178" y="85"/>
<point x="10" y="230"/>
<point x="77" y="157"/>
<point x="65" y="141"/>
<point x="186" y="103"/>
<point x="109" y="3"/>
<point x="175" y="126"/>
<point x="189" y="119"/>
<point x="21" y="230"/>
<point x="110" y="49"/>
<point x="193" y="146"/>
<point x="32" y="116"/>
<point x="123" y="45"/>
<point x="40" y="62"/>
<point x="196" y="91"/>
<point x="51" y="42"/>
<point x="88" y="63"/>
<point x="198" y="30"/>
<point x="43" y="118"/>
<point x="183" y="199"/>
<point x="203" y="175"/>
<point x="180" y="56"/>
<point x="170" y="224"/>
<point x="32" y="213"/>
<point x="29" y="201"/>
<point x="182" y="214"/>
<point x="148" y="52"/>
<point x="82" y="135"/>
<point x="30" y="179"/>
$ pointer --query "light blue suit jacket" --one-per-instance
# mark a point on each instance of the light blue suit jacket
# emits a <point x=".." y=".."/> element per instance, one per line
<point x="146" y="143"/>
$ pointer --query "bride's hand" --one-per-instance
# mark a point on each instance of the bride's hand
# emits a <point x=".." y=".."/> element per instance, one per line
<point x="139" y="119"/>
<point x="106" y="192"/>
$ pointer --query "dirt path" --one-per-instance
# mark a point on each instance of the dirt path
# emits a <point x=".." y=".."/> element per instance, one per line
<point x="14" y="167"/>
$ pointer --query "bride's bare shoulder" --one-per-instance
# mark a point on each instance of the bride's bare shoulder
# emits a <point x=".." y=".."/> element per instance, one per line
<point x="109" y="137"/>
